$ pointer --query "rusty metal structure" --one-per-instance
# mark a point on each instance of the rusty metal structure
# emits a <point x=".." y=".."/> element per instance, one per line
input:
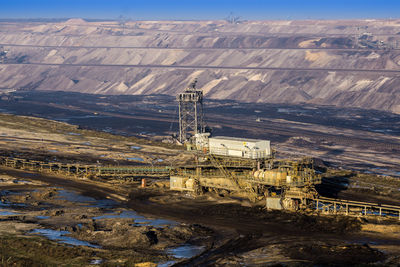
<point x="201" y="177"/>
<point x="247" y="167"/>
<point x="286" y="184"/>
<point x="191" y="120"/>
<point x="289" y="183"/>
<point x="85" y="171"/>
<point x="243" y="165"/>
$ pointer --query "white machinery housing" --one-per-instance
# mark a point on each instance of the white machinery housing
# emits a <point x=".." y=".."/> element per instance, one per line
<point x="239" y="147"/>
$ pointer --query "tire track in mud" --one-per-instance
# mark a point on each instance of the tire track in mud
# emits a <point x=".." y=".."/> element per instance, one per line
<point x="238" y="244"/>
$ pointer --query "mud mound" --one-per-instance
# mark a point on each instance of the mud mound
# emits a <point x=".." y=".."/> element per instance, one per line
<point x="335" y="255"/>
<point x="35" y="251"/>
<point x="122" y="233"/>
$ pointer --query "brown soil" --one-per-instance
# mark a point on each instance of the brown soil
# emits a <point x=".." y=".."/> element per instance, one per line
<point x="238" y="232"/>
<point x="122" y="241"/>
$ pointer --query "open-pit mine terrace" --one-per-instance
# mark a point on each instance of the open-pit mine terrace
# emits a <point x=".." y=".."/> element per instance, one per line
<point x="341" y="63"/>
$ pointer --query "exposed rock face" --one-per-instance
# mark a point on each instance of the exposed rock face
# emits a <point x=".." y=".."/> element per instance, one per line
<point x="343" y="63"/>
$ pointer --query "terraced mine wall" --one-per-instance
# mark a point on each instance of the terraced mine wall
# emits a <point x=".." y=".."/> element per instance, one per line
<point x="342" y="63"/>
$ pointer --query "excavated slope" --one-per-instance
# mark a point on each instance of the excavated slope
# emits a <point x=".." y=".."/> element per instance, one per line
<point x="342" y="63"/>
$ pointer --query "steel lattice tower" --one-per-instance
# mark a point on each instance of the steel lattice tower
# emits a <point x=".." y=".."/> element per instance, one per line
<point x="190" y="112"/>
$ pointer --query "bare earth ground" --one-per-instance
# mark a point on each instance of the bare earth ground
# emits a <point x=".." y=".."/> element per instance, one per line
<point x="231" y="231"/>
<point x="233" y="234"/>
<point x="358" y="139"/>
<point x="112" y="234"/>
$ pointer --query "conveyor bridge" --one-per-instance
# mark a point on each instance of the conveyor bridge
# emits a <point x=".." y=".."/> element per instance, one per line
<point x="82" y="170"/>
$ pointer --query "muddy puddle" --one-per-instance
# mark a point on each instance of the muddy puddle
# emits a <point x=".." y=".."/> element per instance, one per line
<point x="40" y="217"/>
<point x="186" y="251"/>
<point x="138" y="219"/>
<point x="72" y="196"/>
<point x="135" y="158"/>
<point x="60" y="236"/>
<point x="7" y="213"/>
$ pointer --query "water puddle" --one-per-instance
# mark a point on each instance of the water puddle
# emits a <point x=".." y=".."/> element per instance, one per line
<point x="186" y="251"/>
<point x="137" y="159"/>
<point x="89" y="201"/>
<point x="72" y="133"/>
<point x="136" y="147"/>
<point x="166" y="264"/>
<point x="162" y="222"/>
<point x="21" y="182"/>
<point x="41" y="217"/>
<point x="60" y="237"/>
<point x="96" y="262"/>
<point x="138" y="219"/>
<point x="7" y="213"/>
<point x="4" y="205"/>
<point x="108" y="203"/>
<point x="10" y="205"/>
<point x="74" y="197"/>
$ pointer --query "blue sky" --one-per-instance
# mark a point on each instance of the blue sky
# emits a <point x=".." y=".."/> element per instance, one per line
<point x="201" y="9"/>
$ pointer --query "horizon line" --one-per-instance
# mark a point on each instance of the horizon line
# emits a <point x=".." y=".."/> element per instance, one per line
<point x="49" y="19"/>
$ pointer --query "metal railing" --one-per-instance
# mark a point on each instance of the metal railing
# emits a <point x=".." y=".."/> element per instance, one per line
<point x="349" y="207"/>
<point x="79" y="170"/>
